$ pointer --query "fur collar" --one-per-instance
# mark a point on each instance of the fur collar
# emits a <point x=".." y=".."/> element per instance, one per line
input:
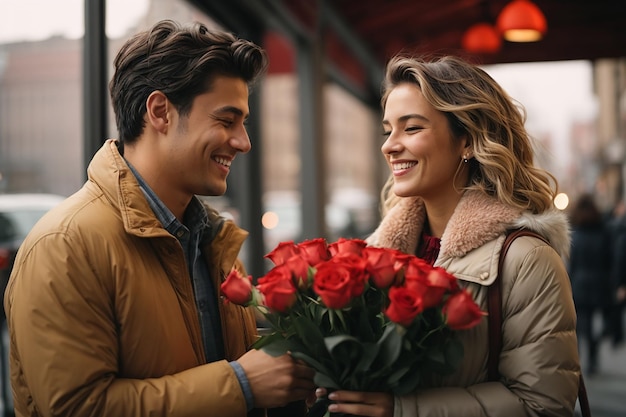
<point x="477" y="219"/>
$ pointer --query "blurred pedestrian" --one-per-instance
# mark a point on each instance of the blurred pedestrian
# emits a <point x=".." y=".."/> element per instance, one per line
<point x="590" y="269"/>
<point x="615" y="325"/>
<point x="113" y="306"/>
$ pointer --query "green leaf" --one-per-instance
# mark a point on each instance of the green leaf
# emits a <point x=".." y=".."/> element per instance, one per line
<point x="370" y="352"/>
<point x="397" y="375"/>
<point x="437" y="356"/>
<point x="278" y="347"/>
<point x="409" y="383"/>
<point x="332" y="342"/>
<point x="346" y="351"/>
<point x="390" y="345"/>
<point x="337" y="321"/>
<point x="322" y="380"/>
<point x="313" y="363"/>
<point x="367" y="325"/>
<point x="309" y="334"/>
<point x="267" y="340"/>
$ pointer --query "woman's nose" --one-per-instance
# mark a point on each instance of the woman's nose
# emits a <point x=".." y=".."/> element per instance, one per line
<point x="390" y="145"/>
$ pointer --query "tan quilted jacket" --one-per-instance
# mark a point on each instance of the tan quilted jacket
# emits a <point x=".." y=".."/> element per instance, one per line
<point x="102" y="315"/>
<point x="539" y="360"/>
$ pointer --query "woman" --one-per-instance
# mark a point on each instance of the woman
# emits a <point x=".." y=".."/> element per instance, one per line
<point x="462" y="174"/>
<point x="590" y="273"/>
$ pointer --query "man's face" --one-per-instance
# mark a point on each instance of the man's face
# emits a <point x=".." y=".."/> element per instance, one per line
<point x="203" y="144"/>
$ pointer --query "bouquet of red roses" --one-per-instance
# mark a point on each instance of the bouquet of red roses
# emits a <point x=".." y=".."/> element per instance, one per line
<point x="365" y="318"/>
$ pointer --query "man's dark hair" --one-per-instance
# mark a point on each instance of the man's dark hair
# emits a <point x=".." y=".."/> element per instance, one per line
<point x="181" y="62"/>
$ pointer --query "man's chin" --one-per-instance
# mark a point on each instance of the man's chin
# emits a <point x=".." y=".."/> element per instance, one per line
<point x="213" y="191"/>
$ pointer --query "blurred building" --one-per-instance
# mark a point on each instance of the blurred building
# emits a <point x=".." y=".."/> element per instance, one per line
<point x="41" y="127"/>
<point x="599" y="148"/>
<point x="610" y="86"/>
<point x="40" y="123"/>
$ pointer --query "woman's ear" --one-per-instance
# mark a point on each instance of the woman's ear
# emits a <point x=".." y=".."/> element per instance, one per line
<point x="467" y="152"/>
<point x="157" y="106"/>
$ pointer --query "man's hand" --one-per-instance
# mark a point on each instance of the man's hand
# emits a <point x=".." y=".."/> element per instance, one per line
<point x="276" y="381"/>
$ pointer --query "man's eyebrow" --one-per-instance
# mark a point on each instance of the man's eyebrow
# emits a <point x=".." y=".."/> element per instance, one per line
<point x="407" y="117"/>
<point x="230" y="109"/>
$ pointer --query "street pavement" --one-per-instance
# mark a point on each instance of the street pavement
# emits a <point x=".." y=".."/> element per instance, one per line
<point x="606" y="389"/>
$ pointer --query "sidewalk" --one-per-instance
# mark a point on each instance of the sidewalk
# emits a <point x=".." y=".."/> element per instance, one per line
<point x="607" y="389"/>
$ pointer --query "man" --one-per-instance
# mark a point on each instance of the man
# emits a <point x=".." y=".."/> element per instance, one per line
<point x="113" y="306"/>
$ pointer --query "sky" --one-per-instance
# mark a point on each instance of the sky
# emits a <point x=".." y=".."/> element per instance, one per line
<point x="554" y="93"/>
<point x="38" y="19"/>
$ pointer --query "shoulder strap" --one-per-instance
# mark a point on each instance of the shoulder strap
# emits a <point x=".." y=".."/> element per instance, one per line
<point x="494" y="305"/>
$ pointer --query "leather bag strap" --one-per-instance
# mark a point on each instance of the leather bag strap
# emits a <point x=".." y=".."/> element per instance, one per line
<point x="494" y="305"/>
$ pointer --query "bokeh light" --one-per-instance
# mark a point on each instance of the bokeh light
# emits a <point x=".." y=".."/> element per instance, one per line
<point x="561" y="201"/>
<point x="269" y="220"/>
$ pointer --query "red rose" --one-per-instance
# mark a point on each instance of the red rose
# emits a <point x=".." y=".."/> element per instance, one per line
<point x="461" y="311"/>
<point x="356" y="266"/>
<point x="439" y="277"/>
<point x="282" y="252"/>
<point x="416" y="267"/>
<point x="278" y="289"/>
<point x="314" y="251"/>
<point x="415" y="273"/>
<point x="381" y="264"/>
<point x="333" y="284"/>
<point x="433" y="284"/>
<point x="404" y="305"/>
<point x="299" y="268"/>
<point x="343" y="245"/>
<point x="237" y="288"/>
<point x="431" y="296"/>
<point x="403" y="259"/>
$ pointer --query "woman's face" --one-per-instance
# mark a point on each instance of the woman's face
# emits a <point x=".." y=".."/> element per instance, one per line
<point x="420" y="149"/>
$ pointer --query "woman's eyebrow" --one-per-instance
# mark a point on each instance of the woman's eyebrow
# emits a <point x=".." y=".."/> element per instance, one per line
<point x="407" y="117"/>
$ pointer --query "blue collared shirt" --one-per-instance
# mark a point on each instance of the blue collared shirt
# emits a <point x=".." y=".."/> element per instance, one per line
<point x="190" y="239"/>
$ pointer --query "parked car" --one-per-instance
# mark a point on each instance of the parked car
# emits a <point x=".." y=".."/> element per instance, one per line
<point x="18" y="214"/>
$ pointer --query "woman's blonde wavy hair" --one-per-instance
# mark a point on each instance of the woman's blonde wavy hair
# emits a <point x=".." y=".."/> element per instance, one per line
<point x="478" y="109"/>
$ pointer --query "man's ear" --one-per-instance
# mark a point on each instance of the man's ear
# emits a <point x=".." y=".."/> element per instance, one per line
<point x="157" y="106"/>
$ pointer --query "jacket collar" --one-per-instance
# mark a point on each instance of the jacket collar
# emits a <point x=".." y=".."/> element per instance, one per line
<point x="120" y="187"/>
<point x="477" y="219"/>
<point x="111" y="173"/>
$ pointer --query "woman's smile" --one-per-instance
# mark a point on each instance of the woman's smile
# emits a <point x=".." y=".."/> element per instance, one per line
<point x="401" y="168"/>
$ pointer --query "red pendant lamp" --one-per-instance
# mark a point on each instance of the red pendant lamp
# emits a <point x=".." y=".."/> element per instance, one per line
<point x="481" y="38"/>
<point x="522" y="21"/>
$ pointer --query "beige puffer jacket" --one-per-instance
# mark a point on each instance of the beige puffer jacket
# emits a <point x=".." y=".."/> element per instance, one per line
<point x="539" y="361"/>
<point x="101" y="310"/>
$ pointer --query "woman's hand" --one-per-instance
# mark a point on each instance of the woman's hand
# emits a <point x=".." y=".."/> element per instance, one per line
<point x="372" y="404"/>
